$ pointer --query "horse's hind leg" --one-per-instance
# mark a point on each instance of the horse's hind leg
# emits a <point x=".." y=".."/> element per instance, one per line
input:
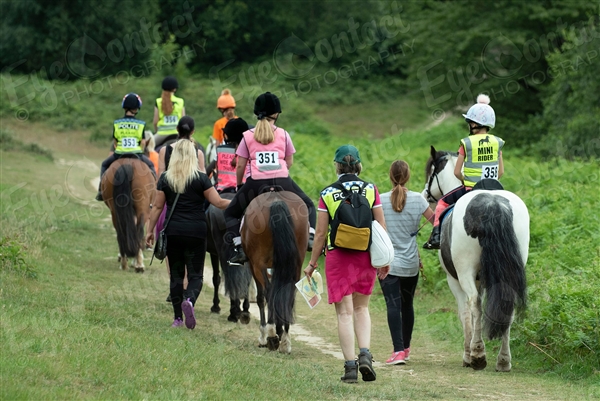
<point x="234" y="311"/>
<point x="478" y="360"/>
<point x="245" y="315"/>
<point x="216" y="279"/>
<point x="260" y="301"/>
<point x="503" y="363"/>
<point x="272" y="331"/>
<point x="285" y="347"/>
<point x="139" y="261"/>
<point x="124" y="260"/>
<point x="464" y="314"/>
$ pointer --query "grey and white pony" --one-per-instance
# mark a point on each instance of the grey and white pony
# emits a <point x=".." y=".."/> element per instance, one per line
<point x="484" y="249"/>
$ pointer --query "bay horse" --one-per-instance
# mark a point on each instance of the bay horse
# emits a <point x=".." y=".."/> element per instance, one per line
<point x="484" y="249"/>
<point x="128" y="188"/>
<point x="237" y="279"/>
<point x="275" y="236"/>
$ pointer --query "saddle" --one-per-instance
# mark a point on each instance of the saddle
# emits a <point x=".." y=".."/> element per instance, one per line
<point x="270" y="188"/>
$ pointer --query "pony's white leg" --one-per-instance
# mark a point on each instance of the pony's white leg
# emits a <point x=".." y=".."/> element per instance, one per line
<point x="285" y="346"/>
<point x="271" y="332"/>
<point x="503" y="363"/>
<point x="124" y="261"/>
<point x="464" y="314"/>
<point x="478" y="360"/>
<point x="139" y="261"/>
<point x="262" y="338"/>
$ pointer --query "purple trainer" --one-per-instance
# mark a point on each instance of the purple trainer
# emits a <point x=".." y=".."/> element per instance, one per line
<point x="177" y="322"/>
<point x="188" y="312"/>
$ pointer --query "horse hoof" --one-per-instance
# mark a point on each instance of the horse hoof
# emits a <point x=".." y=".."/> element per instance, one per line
<point x="503" y="367"/>
<point x="262" y="345"/>
<point x="478" y="363"/>
<point x="245" y="318"/>
<point x="139" y="269"/>
<point x="273" y="343"/>
<point x="466" y="364"/>
<point x="232" y="318"/>
<point x="215" y="309"/>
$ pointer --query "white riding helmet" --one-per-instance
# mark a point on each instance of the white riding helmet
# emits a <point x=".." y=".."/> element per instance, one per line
<point x="481" y="112"/>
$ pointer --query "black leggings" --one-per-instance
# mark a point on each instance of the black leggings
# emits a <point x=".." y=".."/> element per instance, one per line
<point x="251" y="189"/>
<point x="399" y="293"/>
<point x="185" y="251"/>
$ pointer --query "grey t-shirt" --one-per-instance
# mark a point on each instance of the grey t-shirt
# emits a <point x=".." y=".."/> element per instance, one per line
<point x="399" y="226"/>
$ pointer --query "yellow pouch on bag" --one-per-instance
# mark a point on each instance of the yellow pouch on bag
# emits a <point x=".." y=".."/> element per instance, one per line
<point x="352" y="237"/>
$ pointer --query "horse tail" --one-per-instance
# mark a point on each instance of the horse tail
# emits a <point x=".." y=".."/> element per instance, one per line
<point x="286" y="255"/>
<point x="502" y="272"/>
<point x="128" y="233"/>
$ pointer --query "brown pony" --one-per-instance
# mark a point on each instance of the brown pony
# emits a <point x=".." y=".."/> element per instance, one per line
<point x="275" y="237"/>
<point x="128" y="188"/>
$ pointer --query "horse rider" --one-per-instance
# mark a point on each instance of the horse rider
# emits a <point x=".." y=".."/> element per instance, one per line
<point x="481" y="156"/>
<point x="128" y="134"/>
<point x="224" y="167"/>
<point x="265" y="155"/>
<point x="168" y="110"/>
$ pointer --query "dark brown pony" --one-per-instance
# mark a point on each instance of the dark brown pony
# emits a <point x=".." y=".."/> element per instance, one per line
<point x="275" y="237"/>
<point x="128" y="188"/>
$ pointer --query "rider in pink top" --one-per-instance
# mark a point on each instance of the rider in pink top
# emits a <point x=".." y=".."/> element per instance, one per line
<point x="271" y="153"/>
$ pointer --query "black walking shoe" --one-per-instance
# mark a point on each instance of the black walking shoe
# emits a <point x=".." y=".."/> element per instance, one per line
<point x="99" y="196"/>
<point x="365" y="365"/>
<point x="350" y="375"/>
<point x="434" y="239"/>
<point x="239" y="257"/>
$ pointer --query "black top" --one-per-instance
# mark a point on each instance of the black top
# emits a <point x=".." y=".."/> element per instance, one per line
<point x="188" y="218"/>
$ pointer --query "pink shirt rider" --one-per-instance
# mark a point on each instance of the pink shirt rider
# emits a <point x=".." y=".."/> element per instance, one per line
<point x="266" y="161"/>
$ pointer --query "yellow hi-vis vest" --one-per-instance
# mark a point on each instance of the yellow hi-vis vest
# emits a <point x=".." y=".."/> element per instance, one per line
<point x="332" y="197"/>
<point x="167" y="125"/>
<point x="129" y="133"/>
<point x="482" y="154"/>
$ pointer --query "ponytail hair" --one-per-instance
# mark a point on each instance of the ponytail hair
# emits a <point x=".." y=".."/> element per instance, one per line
<point x="399" y="176"/>
<point x="263" y="133"/>
<point x="167" y="103"/>
<point x="185" y="127"/>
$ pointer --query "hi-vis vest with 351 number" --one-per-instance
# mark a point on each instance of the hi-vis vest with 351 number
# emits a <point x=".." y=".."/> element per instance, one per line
<point x="225" y="172"/>
<point x="129" y="133"/>
<point x="482" y="153"/>
<point x="167" y="125"/>
<point x="333" y="197"/>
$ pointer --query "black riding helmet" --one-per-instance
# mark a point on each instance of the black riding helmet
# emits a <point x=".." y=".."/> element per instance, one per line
<point x="131" y="101"/>
<point x="234" y="130"/>
<point x="266" y="105"/>
<point x="169" y="83"/>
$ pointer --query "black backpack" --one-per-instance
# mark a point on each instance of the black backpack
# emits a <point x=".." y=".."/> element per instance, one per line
<point x="351" y="223"/>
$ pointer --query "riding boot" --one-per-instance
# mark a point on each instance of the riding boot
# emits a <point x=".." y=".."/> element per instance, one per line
<point x="239" y="257"/>
<point x="434" y="239"/>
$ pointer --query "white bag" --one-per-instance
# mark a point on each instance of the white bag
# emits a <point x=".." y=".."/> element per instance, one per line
<point x="382" y="249"/>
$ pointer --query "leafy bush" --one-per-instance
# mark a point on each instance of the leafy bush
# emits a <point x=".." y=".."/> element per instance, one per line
<point x="12" y="257"/>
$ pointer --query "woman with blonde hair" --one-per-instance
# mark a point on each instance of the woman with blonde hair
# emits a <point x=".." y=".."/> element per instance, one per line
<point x="403" y="210"/>
<point x="169" y="109"/>
<point x="265" y="155"/>
<point x="184" y="188"/>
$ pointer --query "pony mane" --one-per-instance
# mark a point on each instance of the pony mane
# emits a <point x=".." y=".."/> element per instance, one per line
<point x="439" y="166"/>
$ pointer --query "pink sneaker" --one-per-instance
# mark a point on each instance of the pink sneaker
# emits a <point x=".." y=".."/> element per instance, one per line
<point x="406" y="354"/>
<point x="177" y="322"/>
<point x="397" y="358"/>
<point x="188" y="312"/>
